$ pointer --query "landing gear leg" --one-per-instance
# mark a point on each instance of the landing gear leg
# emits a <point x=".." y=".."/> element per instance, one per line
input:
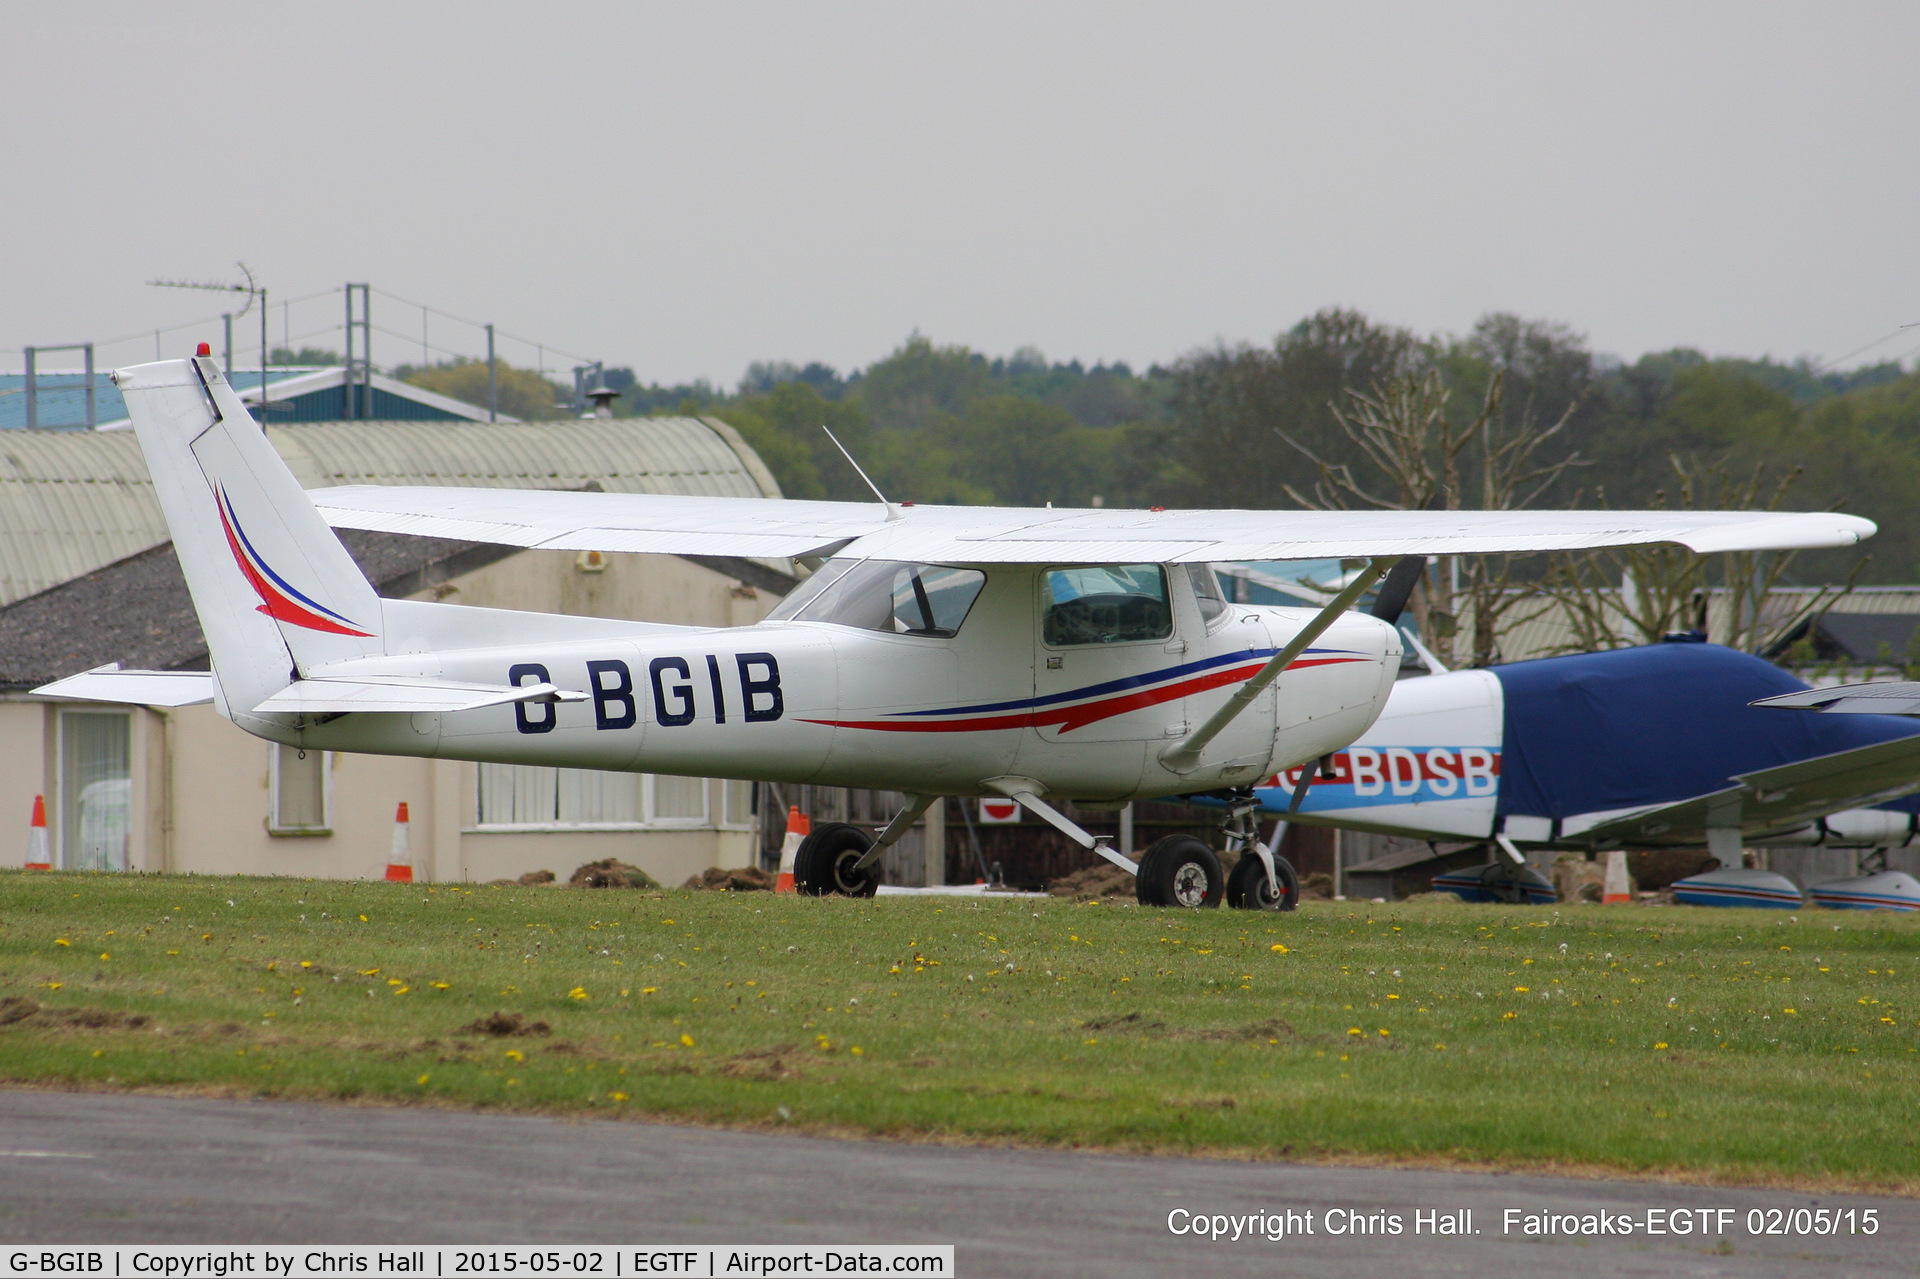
<point x="1262" y="879"/>
<point x="1026" y="792"/>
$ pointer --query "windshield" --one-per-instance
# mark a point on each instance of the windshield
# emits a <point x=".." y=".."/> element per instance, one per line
<point x="885" y="595"/>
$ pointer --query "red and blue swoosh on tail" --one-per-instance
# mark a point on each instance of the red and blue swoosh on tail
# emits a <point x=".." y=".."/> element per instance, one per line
<point x="1083" y="706"/>
<point x="279" y="598"/>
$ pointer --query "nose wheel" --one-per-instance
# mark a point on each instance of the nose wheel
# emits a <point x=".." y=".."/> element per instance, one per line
<point x="1248" y="888"/>
<point x="1180" y="871"/>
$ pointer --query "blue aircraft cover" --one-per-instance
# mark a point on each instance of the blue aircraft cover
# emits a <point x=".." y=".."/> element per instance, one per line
<point x="1654" y="725"/>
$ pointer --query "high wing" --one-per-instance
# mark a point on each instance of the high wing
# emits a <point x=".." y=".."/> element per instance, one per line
<point x="675" y="524"/>
<point x="1775" y="799"/>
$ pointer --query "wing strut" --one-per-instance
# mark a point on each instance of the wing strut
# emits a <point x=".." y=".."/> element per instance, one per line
<point x="1184" y="755"/>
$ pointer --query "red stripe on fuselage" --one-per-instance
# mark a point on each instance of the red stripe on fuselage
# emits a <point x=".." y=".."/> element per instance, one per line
<point x="1069" y="718"/>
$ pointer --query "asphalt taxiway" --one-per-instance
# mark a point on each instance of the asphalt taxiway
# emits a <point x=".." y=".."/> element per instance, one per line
<point x="110" y="1168"/>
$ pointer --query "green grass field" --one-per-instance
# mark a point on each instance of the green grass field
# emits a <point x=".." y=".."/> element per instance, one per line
<point x="1714" y="1045"/>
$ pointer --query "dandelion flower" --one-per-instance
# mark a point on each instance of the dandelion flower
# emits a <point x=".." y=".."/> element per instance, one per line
<point x="686" y="1041"/>
<point x="578" y="992"/>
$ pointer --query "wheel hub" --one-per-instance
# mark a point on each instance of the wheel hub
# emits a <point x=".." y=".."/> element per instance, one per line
<point x="844" y="874"/>
<point x="1190" y="884"/>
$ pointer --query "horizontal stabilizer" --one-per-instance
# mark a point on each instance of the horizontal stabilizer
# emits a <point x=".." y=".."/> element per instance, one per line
<point x="399" y="694"/>
<point x="134" y="688"/>
<point x="680" y="524"/>
<point x="1891" y="697"/>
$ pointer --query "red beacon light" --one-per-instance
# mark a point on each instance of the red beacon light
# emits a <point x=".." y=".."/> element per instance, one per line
<point x="204" y="348"/>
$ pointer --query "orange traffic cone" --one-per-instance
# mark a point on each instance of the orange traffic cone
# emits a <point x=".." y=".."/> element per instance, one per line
<point x="400" y="860"/>
<point x="1617" y="890"/>
<point x="38" y="857"/>
<point x="799" y="826"/>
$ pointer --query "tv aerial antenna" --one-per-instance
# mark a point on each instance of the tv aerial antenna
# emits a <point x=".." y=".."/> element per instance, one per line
<point x="255" y="292"/>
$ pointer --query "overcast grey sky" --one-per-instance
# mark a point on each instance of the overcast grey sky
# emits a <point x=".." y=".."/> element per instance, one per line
<point x="685" y="188"/>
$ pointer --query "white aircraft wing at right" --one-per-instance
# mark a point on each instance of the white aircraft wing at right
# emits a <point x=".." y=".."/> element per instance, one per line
<point x="684" y="525"/>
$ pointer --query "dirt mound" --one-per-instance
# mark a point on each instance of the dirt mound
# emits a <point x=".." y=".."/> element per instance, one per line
<point x="1126" y="1021"/>
<point x="611" y="872"/>
<point x="503" y="1024"/>
<point x="534" y="878"/>
<point x="1317" y="887"/>
<point x="1103" y="880"/>
<point x="744" y="879"/>
<point x="1575" y="879"/>
<point x="17" y="1009"/>
<point x="767" y="1065"/>
<point x="1274" y="1028"/>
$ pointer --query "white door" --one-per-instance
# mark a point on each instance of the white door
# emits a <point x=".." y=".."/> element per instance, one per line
<point x="1108" y="666"/>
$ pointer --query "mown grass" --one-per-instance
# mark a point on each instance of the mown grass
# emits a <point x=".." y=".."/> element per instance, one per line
<point x="1714" y="1045"/>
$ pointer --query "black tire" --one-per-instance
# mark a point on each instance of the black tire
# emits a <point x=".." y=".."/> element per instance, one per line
<point x="823" y="864"/>
<point x="1248" y="889"/>
<point x="1179" y="870"/>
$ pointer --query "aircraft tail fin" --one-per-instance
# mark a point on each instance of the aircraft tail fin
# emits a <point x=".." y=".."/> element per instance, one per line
<point x="276" y="592"/>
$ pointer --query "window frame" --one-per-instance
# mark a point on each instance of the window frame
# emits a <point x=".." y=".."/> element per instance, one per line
<point x="649" y="808"/>
<point x="274" y="826"/>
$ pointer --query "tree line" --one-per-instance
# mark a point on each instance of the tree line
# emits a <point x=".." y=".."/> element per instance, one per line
<point x="1255" y="425"/>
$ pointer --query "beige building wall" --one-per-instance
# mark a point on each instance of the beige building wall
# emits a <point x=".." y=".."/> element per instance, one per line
<point x="200" y="792"/>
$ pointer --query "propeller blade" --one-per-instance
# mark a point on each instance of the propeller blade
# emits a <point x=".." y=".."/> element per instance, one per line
<point x="1398" y="588"/>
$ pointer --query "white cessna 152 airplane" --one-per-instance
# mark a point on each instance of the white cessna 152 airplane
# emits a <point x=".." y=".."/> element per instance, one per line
<point x="1031" y="654"/>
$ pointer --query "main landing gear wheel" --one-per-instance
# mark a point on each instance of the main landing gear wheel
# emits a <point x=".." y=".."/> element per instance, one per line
<point x="1179" y="870"/>
<point x="823" y="864"/>
<point x="1249" y="889"/>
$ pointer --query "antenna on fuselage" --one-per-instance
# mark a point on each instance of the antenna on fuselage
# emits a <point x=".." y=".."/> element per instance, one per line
<point x="893" y="512"/>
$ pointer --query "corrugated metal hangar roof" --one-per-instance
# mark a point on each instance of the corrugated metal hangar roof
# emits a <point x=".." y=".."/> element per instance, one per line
<point x="73" y="501"/>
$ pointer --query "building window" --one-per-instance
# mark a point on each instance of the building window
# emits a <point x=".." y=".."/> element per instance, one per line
<point x="584" y="798"/>
<point x="301" y="791"/>
<point x="736" y="804"/>
<point x="96" y="790"/>
<point x="679" y="801"/>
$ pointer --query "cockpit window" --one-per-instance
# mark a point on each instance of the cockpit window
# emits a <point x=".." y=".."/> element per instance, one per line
<point x="1105" y="604"/>
<point x="1206" y="591"/>
<point x="802" y="595"/>
<point x="886" y="595"/>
